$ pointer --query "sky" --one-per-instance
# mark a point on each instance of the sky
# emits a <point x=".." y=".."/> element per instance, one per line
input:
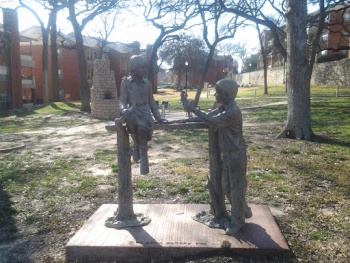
<point x="126" y="31"/>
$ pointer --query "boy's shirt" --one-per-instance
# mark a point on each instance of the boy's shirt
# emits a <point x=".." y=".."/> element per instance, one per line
<point x="228" y="122"/>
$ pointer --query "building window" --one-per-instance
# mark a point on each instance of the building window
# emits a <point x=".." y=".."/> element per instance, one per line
<point x="324" y="37"/>
<point x="324" y="52"/>
<point x="3" y="73"/>
<point x="347" y="17"/>
<point x="59" y="53"/>
<point x="60" y="73"/>
<point x="90" y="74"/>
<point x="3" y="49"/>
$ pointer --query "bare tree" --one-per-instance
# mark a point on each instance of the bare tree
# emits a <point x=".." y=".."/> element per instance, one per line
<point x="299" y="63"/>
<point x="263" y="54"/>
<point x="54" y="7"/>
<point x="168" y="17"/>
<point x="212" y="16"/>
<point x="230" y="52"/>
<point x="108" y="26"/>
<point x="88" y="10"/>
<point x="176" y="53"/>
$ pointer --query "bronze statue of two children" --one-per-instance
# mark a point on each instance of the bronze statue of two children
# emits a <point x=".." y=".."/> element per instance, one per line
<point x="138" y="105"/>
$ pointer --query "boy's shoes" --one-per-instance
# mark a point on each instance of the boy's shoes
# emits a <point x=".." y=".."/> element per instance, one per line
<point x="248" y="212"/>
<point x="144" y="167"/>
<point x="233" y="229"/>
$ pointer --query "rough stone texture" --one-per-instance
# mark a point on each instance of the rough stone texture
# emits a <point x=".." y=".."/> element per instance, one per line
<point x="172" y="233"/>
<point x="104" y="95"/>
<point x="336" y="73"/>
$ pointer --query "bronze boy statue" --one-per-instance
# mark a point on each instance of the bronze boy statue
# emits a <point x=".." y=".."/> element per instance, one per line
<point x="227" y="120"/>
<point x="137" y="103"/>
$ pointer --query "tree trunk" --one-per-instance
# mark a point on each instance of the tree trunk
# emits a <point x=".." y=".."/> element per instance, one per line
<point x="178" y="79"/>
<point x="83" y="80"/>
<point x="153" y="66"/>
<point x="45" y="81"/>
<point x="263" y="52"/>
<point x="204" y="74"/>
<point x="54" y="57"/>
<point x="298" y="80"/>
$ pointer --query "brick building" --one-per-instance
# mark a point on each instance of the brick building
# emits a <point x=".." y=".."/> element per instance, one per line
<point x="16" y="83"/>
<point x="220" y="67"/>
<point x="333" y="38"/>
<point x="117" y="53"/>
<point x="337" y="35"/>
<point x="21" y="72"/>
<point x="274" y="57"/>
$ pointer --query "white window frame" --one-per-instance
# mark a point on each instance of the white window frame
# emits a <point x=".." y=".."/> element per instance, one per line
<point x="324" y="36"/>
<point x="4" y="72"/>
<point x="60" y="73"/>
<point x="59" y="52"/>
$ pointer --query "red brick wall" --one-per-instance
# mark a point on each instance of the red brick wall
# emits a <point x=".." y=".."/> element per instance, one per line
<point x="37" y="57"/>
<point x="70" y="81"/>
<point x="339" y="26"/>
<point x="5" y="85"/>
<point x="68" y="63"/>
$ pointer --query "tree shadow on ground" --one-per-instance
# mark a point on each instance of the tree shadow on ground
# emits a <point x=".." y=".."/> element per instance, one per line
<point x="66" y="111"/>
<point x="328" y="140"/>
<point x="7" y="222"/>
<point x="13" y="248"/>
<point x="24" y="113"/>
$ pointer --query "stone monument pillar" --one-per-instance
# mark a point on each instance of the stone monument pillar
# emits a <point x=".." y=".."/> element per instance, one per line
<point x="104" y="95"/>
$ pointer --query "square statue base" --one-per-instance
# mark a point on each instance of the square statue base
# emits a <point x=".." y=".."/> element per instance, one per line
<point x="172" y="233"/>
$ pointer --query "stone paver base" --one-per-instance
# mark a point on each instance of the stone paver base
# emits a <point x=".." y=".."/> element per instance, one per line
<point x="172" y="233"/>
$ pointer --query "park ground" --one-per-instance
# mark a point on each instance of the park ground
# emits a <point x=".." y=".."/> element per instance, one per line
<point x="58" y="165"/>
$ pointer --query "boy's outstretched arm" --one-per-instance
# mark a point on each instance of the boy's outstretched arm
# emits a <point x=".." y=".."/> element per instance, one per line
<point x="201" y="115"/>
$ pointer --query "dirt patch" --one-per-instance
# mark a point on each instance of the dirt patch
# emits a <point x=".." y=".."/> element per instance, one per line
<point x="39" y="233"/>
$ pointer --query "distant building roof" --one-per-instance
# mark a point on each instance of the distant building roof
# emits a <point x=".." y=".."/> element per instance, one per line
<point x="34" y="33"/>
<point x="22" y="37"/>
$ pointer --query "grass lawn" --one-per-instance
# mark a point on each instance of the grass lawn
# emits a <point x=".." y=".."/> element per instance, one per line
<point x="44" y="200"/>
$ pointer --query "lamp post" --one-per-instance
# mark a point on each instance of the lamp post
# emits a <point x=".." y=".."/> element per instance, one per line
<point x="186" y="65"/>
<point x="250" y="65"/>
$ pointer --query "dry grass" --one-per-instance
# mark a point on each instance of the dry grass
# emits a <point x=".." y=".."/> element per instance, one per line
<point x="46" y="196"/>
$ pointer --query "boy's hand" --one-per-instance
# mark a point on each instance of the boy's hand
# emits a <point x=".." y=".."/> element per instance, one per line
<point x="188" y="106"/>
<point x="124" y="112"/>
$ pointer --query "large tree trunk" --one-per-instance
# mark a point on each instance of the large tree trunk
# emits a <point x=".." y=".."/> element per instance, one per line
<point x="83" y="80"/>
<point x="263" y="53"/>
<point x="54" y="57"/>
<point x="45" y="81"/>
<point x="298" y="80"/>
<point x="204" y="74"/>
<point x="178" y="79"/>
<point x="152" y="69"/>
